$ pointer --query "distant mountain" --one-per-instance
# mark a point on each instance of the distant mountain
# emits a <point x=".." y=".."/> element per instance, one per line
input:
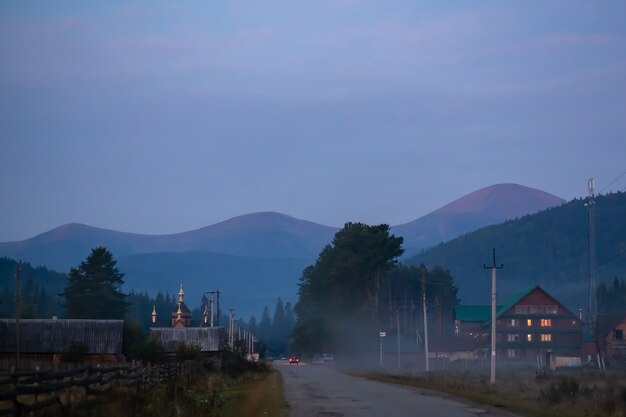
<point x="256" y="256"/>
<point x="489" y="205"/>
<point x="265" y="234"/>
<point x="549" y="248"/>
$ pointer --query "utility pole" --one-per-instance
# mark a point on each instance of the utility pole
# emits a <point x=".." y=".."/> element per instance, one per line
<point x="593" y="305"/>
<point x="398" y="334"/>
<point x="212" y="303"/>
<point x="18" y="313"/>
<point x="381" y="335"/>
<point x="425" y="318"/>
<point x="218" y="308"/>
<point x="231" y="328"/>
<point x="493" y="315"/>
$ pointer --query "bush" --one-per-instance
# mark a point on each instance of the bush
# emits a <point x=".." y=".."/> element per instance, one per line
<point x="567" y="387"/>
<point x="185" y="352"/>
<point x="234" y="364"/>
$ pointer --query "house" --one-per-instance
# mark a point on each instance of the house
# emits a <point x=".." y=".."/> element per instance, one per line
<point x="45" y="340"/>
<point x="531" y="326"/>
<point x="470" y="320"/>
<point x="610" y="330"/>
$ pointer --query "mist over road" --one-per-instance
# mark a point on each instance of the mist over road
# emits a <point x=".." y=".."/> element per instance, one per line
<point x="314" y="390"/>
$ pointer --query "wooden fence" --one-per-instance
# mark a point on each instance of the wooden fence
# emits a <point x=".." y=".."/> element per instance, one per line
<point x="24" y="392"/>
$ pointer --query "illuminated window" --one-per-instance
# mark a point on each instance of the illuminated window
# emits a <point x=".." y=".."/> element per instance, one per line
<point x="546" y="337"/>
<point x="546" y="322"/>
<point x="529" y="337"/>
<point x="511" y="322"/>
<point x="529" y="322"/>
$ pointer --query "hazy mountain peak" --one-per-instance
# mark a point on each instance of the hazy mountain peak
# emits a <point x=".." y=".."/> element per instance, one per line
<point x="512" y="200"/>
<point x="489" y="205"/>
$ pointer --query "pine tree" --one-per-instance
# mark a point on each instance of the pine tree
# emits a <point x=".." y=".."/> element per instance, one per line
<point x="94" y="288"/>
<point x="278" y="338"/>
<point x="265" y="326"/>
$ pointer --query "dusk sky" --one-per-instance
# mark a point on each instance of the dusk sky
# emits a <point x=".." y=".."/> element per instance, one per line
<point x="160" y="117"/>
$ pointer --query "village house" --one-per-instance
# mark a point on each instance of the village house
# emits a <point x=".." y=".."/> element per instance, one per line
<point x="531" y="326"/>
<point x="611" y="341"/>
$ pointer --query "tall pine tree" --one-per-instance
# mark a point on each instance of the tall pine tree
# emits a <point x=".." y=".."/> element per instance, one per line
<point x="94" y="288"/>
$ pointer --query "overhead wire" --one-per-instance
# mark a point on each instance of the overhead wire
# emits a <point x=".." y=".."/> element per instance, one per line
<point x="612" y="182"/>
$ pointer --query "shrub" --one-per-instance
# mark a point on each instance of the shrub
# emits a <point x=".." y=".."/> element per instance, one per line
<point x="185" y="352"/>
<point x="566" y="387"/>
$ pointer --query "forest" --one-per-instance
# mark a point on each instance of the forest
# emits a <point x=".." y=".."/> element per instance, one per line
<point x="549" y="248"/>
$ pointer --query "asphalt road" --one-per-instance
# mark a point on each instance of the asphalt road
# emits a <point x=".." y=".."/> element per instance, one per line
<point x="318" y="390"/>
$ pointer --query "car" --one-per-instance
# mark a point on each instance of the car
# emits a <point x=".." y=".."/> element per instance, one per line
<point x="294" y="359"/>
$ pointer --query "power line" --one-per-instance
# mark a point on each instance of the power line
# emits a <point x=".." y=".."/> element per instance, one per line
<point x="611" y="183"/>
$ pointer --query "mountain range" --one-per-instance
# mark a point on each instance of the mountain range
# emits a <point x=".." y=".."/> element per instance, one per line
<point x="257" y="257"/>
<point x="549" y="248"/>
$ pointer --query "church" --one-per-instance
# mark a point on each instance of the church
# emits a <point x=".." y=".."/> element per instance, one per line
<point x="181" y="329"/>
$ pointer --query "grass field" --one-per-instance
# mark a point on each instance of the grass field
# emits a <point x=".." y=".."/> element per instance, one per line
<point x="569" y="394"/>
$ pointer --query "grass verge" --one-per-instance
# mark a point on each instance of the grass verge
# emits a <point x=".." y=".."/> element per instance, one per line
<point x="586" y="395"/>
<point x="259" y="396"/>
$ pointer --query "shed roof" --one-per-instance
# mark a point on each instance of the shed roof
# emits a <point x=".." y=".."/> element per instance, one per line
<point x="56" y="336"/>
<point x="514" y="299"/>
<point x="472" y="313"/>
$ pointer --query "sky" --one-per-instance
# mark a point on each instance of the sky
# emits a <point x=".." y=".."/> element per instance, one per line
<point x="160" y="117"/>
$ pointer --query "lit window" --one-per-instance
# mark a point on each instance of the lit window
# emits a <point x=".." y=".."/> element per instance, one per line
<point x="529" y="337"/>
<point x="546" y="322"/>
<point x="529" y="322"/>
<point x="511" y="322"/>
<point x="546" y="337"/>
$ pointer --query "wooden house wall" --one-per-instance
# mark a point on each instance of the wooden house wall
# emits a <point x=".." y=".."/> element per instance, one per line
<point x="565" y="330"/>
<point x="616" y="349"/>
<point x="56" y="336"/>
<point x="210" y="339"/>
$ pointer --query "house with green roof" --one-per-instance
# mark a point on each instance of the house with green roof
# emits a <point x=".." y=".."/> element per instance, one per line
<point x="531" y="326"/>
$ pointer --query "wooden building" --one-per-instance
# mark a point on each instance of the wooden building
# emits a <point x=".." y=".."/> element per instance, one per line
<point x="181" y="329"/>
<point x="611" y="330"/>
<point x="45" y="340"/>
<point x="469" y="320"/>
<point x="531" y="326"/>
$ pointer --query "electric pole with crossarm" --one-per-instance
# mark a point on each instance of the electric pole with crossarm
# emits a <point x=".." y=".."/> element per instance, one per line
<point x="493" y="315"/>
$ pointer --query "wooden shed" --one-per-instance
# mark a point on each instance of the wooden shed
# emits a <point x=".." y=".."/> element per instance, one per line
<point x="46" y="339"/>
